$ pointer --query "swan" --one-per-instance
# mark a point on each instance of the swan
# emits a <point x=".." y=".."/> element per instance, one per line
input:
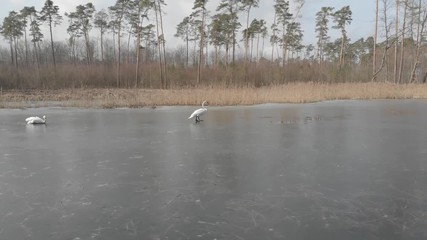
<point x="199" y="112"/>
<point x="36" y="120"/>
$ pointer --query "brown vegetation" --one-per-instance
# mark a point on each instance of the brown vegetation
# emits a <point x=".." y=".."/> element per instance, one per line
<point x="103" y="75"/>
<point x="218" y="96"/>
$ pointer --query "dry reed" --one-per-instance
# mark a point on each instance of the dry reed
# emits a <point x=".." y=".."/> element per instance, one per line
<point x="219" y="96"/>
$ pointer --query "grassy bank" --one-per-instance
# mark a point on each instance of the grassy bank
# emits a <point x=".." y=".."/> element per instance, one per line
<point x="288" y="93"/>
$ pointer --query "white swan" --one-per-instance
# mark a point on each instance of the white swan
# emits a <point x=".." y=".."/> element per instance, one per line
<point x="199" y="112"/>
<point x="36" y="120"/>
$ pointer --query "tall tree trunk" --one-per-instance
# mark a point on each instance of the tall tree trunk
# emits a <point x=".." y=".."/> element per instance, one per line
<point x="420" y="29"/>
<point x="227" y="53"/>
<point x="163" y="47"/>
<point x="207" y="50"/>
<point x="246" y="35"/>
<point x="16" y="51"/>
<point x="138" y="51"/>
<point x="12" y="55"/>
<point x="37" y="62"/>
<point x="16" y="72"/>
<point x="74" y="46"/>
<point x="251" y="51"/>
<point x="257" y="48"/>
<point x="26" y="46"/>
<point x="216" y="57"/>
<point x="114" y="46"/>
<point x="402" y="45"/>
<point x="374" y="57"/>
<point x="138" y="47"/>
<point x="274" y="41"/>
<point x="396" y="43"/>
<point x="88" y="58"/>
<point x="247" y="44"/>
<point x="187" y="49"/>
<point x="202" y="38"/>
<point x="118" y="75"/>
<point x="283" y="45"/>
<point x="342" y="52"/>
<point x="233" y="54"/>
<point x="425" y="77"/>
<point x="236" y="7"/>
<point x="285" y="49"/>
<point x="194" y="54"/>
<point x="387" y="40"/>
<point x="53" y="49"/>
<point x="159" y="47"/>
<point x="128" y="53"/>
<point x="262" y="48"/>
<point x="102" y="47"/>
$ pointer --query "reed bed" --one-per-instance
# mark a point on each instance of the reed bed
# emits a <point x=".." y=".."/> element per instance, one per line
<point x="216" y="96"/>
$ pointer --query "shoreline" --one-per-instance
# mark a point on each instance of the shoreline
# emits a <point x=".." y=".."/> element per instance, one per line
<point x="216" y="96"/>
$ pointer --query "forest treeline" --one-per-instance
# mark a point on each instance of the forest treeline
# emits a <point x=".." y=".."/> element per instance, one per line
<point x="124" y="46"/>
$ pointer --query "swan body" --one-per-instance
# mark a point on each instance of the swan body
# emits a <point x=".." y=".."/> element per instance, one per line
<point x="199" y="112"/>
<point x="36" y="120"/>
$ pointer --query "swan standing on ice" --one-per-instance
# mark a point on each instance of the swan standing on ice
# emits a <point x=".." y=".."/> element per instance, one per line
<point x="199" y="112"/>
<point x="36" y="120"/>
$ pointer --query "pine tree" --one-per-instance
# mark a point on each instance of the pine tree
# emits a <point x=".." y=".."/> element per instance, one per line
<point x="50" y="15"/>
<point x="322" y="19"/>
<point x="101" y="22"/>
<point x="199" y="15"/>
<point x="82" y="24"/>
<point x="342" y="17"/>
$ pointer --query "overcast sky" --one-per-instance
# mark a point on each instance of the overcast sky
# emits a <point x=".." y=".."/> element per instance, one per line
<point x="361" y="26"/>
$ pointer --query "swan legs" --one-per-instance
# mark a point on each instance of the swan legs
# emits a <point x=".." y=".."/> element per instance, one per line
<point x="198" y="119"/>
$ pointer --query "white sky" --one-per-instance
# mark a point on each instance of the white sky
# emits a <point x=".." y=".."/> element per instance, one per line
<point x="361" y="26"/>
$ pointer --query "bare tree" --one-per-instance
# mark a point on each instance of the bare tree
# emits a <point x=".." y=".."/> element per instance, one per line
<point x="386" y="43"/>
<point x="422" y="20"/>
<point x="402" y="43"/>
<point x="163" y="40"/>
<point x="396" y="43"/>
<point x="374" y="57"/>
<point x="160" y="39"/>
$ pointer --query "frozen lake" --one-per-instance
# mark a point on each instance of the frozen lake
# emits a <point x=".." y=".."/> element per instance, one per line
<point x="331" y="170"/>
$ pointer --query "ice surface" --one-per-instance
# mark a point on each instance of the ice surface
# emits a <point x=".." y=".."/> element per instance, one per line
<point x="332" y="170"/>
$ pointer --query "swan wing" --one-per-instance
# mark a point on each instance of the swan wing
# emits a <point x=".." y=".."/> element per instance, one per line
<point x="34" y="120"/>
<point x="198" y="112"/>
<point x="38" y="120"/>
<point x="30" y="119"/>
<point x="203" y="111"/>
